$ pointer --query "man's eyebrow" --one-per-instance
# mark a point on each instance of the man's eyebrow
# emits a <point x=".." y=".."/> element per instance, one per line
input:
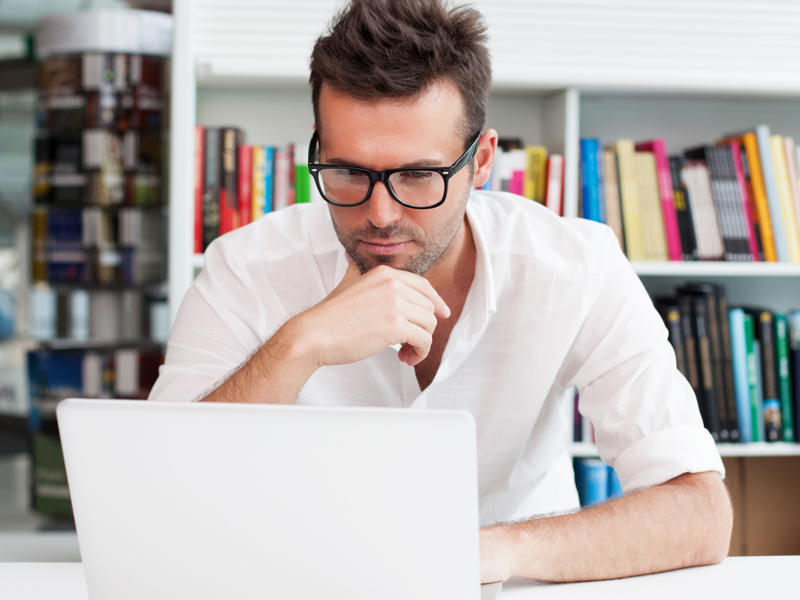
<point x="425" y="163"/>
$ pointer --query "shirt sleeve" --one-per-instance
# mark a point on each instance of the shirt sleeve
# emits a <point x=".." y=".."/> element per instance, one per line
<point x="645" y="415"/>
<point x="221" y="321"/>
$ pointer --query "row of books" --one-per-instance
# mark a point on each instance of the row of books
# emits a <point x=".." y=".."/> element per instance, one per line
<point x="94" y="89"/>
<point x="236" y="183"/>
<point x="98" y="166"/>
<point x="596" y="481"/>
<point x="736" y="200"/>
<point x="121" y="373"/>
<point x="98" y="246"/>
<point x="528" y="171"/>
<point x="742" y="362"/>
<point x="98" y="316"/>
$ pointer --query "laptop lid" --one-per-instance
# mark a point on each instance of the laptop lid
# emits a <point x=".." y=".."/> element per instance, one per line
<point x="252" y="501"/>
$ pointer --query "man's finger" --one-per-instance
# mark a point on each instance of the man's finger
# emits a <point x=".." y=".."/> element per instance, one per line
<point x="424" y="287"/>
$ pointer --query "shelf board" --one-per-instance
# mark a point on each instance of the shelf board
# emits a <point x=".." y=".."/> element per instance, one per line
<point x="587" y="450"/>
<point x="715" y="269"/>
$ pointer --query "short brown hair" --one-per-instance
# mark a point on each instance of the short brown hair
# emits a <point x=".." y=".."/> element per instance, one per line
<point x="396" y="49"/>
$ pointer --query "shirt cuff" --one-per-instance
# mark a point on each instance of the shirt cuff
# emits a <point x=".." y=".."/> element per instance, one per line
<point x="666" y="454"/>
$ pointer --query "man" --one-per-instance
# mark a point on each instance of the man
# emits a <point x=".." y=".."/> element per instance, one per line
<point x="409" y="289"/>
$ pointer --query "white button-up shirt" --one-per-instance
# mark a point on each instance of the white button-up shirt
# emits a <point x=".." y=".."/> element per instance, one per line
<point x="553" y="304"/>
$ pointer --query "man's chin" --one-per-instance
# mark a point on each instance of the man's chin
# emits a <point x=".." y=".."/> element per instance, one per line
<point x="366" y="263"/>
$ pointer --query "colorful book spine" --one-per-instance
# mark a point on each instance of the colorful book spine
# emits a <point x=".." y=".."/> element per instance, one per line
<point x="755" y="407"/>
<point x="793" y="323"/>
<point x="750" y="143"/>
<point x="785" y="197"/>
<point x="784" y="377"/>
<point x="258" y="192"/>
<point x="590" y="185"/>
<point x="302" y="178"/>
<point x="736" y="320"/>
<point x="751" y="218"/>
<point x="765" y="333"/>
<point x="611" y="193"/>
<point x="269" y="179"/>
<point x="659" y="149"/>
<point x="683" y="210"/>
<point x="790" y="151"/>
<point x="211" y="183"/>
<point x="199" y="139"/>
<point x="554" y="193"/>
<point x="534" y="179"/>
<point x="245" y="173"/>
<point x="727" y="361"/>
<point x="591" y="479"/>
<point x="629" y="199"/>
<point x="229" y="218"/>
<point x="779" y="233"/>
<point x="652" y="221"/>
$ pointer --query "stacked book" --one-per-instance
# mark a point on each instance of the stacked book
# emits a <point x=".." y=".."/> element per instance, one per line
<point x="736" y="200"/>
<point x="528" y="171"/>
<point x="595" y="481"/>
<point x="236" y="183"/>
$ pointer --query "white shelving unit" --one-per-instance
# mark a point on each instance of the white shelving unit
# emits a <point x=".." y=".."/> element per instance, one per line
<point x="687" y="71"/>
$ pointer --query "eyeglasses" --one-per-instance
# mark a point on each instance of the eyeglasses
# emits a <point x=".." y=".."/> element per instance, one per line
<point x="422" y="187"/>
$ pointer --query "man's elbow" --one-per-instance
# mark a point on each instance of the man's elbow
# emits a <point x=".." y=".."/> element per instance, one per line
<point x="717" y="518"/>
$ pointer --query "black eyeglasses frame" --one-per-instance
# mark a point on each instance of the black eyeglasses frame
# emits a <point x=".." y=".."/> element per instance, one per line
<point x="314" y="169"/>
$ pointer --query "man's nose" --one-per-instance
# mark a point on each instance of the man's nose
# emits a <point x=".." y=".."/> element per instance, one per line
<point x="382" y="209"/>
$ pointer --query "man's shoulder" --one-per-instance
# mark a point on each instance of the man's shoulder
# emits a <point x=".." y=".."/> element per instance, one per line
<point x="514" y="225"/>
<point x="297" y="229"/>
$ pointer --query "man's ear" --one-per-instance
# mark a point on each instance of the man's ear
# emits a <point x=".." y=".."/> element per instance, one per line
<point x="484" y="157"/>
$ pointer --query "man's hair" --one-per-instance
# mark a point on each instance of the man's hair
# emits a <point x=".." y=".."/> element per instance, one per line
<point x="397" y="49"/>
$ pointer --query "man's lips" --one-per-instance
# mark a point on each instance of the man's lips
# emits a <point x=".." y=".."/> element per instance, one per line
<point x="382" y="247"/>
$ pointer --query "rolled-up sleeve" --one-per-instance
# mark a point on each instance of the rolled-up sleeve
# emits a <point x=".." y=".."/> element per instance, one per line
<point x="645" y="415"/>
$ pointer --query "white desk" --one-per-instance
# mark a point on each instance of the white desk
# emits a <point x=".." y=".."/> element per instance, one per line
<point x="748" y="577"/>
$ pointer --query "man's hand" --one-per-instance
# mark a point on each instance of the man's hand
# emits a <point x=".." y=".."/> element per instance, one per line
<point x="366" y="314"/>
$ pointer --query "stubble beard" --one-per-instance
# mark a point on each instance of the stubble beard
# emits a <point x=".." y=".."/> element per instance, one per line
<point x="431" y="246"/>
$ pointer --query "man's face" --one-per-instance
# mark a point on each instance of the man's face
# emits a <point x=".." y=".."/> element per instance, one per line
<point x="423" y="131"/>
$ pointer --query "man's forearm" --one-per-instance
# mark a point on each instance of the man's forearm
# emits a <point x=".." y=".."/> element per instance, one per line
<point x="684" y="522"/>
<point x="274" y="374"/>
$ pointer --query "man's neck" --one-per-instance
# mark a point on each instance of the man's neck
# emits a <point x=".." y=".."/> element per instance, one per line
<point x="453" y="272"/>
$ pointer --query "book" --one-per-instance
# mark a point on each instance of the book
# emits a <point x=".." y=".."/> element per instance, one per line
<point x="211" y="185"/>
<point x="245" y="175"/>
<point x="779" y="232"/>
<point x="736" y="319"/>
<point x="554" y="191"/>
<point x="611" y="193"/>
<point x="258" y="187"/>
<point x="534" y="181"/>
<point x="725" y="199"/>
<point x="670" y="313"/>
<point x="752" y="161"/>
<point x="291" y="175"/>
<point x="784" y="378"/>
<point x="590" y="183"/>
<point x="785" y="197"/>
<point x="614" y="485"/>
<point x="229" y="217"/>
<point x="704" y="216"/>
<point x="517" y="161"/>
<point x="764" y="330"/>
<point x="652" y="220"/>
<point x="659" y="149"/>
<point x="749" y="211"/>
<point x="755" y="407"/>
<point x="591" y="479"/>
<point x="709" y="393"/>
<point x="688" y="327"/>
<point x="709" y="294"/>
<point x="199" y="178"/>
<point x="727" y="361"/>
<point x="792" y="168"/>
<point x="302" y="178"/>
<point x="793" y="326"/>
<point x="629" y="199"/>
<point x="683" y="210"/>
<point x="280" y="179"/>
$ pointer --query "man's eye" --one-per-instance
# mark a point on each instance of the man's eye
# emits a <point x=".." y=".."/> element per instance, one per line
<point x="416" y="176"/>
<point x="351" y="173"/>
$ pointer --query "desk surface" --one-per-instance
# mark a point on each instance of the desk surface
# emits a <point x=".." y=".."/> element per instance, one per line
<point x="740" y="577"/>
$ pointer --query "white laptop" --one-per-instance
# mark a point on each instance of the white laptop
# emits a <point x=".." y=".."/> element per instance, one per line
<point x="212" y="501"/>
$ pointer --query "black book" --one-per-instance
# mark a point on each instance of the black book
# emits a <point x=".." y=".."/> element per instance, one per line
<point x="696" y="378"/>
<point x="671" y="314"/>
<point x="683" y="210"/>
<point x="763" y="321"/>
<point x="727" y="364"/>
<point x="708" y="293"/>
<point x="709" y="406"/>
<point x="211" y="185"/>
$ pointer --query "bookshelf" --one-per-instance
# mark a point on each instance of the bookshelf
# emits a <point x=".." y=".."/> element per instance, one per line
<point x="687" y="72"/>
